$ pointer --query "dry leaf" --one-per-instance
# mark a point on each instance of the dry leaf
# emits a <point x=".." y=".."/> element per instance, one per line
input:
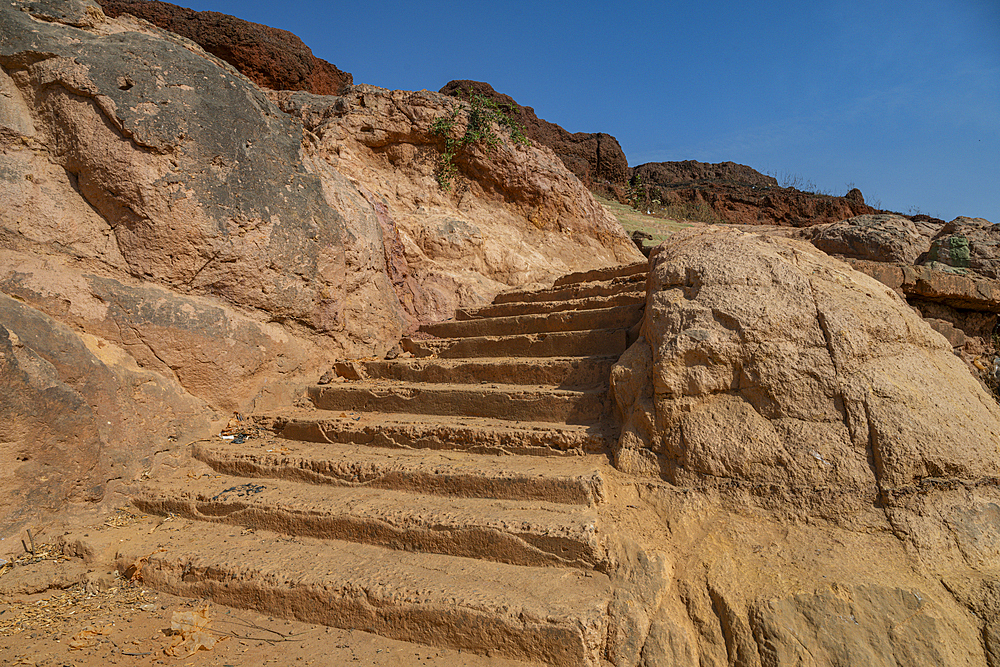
<point x="89" y="636"/>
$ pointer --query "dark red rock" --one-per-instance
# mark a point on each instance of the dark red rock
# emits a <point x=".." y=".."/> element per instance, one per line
<point x="738" y="194"/>
<point x="596" y="158"/>
<point x="270" y="57"/>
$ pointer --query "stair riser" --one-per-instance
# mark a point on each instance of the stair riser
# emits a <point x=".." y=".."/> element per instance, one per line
<point x="569" y="344"/>
<point x="577" y="409"/>
<point x="469" y="542"/>
<point x="609" y="273"/>
<point x="570" y="292"/>
<point x="637" y="298"/>
<point x="562" y="373"/>
<point x="343" y="605"/>
<point x="620" y="317"/>
<point x="567" y="491"/>
<point x="468" y="440"/>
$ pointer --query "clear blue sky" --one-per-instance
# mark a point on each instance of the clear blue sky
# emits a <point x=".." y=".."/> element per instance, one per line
<point x="901" y="99"/>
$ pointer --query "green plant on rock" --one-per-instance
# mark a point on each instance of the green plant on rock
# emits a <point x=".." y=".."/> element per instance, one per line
<point x="484" y="116"/>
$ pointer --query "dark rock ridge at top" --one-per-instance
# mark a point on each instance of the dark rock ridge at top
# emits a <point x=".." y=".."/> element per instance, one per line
<point x="595" y="157"/>
<point x="738" y="194"/>
<point x="270" y="57"/>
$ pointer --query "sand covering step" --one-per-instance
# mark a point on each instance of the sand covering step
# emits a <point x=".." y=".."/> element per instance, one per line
<point x="477" y="435"/>
<point x="576" y="480"/>
<point x="557" y="616"/>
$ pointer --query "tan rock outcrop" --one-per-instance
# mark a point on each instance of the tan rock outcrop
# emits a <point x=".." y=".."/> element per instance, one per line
<point x="515" y="215"/>
<point x="155" y="202"/>
<point x="823" y="455"/>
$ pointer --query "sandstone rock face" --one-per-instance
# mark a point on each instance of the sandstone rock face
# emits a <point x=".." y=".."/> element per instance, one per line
<point x="767" y="357"/>
<point x="879" y="238"/>
<point x="270" y="57"/>
<point x="596" y="158"/>
<point x="825" y="457"/>
<point x="968" y="243"/>
<point x="737" y="194"/>
<point x="516" y="215"/>
<point x="163" y="218"/>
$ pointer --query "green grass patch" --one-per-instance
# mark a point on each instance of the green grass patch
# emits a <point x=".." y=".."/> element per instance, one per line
<point x="657" y="226"/>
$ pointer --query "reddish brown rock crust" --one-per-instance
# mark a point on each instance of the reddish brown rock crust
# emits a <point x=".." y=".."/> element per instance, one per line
<point x="270" y="57"/>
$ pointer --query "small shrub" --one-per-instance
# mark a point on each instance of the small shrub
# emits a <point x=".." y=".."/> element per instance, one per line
<point x="483" y="117"/>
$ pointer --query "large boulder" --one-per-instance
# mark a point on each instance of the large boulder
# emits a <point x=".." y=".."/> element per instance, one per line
<point x="880" y="237"/>
<point x="270" y="57"/>
<point x="972" y="244"/>
<point x="595" y="157"/>
<point x="824" y="468"/>
<point x="770" y="362"/>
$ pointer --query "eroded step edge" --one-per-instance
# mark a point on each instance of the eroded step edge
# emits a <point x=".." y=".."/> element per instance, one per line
<point x="616" y="317"/>
<point x="427" y="599"/>
<point x="569" y="372"/>
<point x="470" y="528"/>
<point x="633" y="298"/>
<point x="353" y="466"/>
<point x="474" y="435"/>
<point x="601" y="342"/>
<point x="510" y="402"/>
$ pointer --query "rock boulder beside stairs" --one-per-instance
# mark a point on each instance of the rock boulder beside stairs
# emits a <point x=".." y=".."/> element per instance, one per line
<point x="826" y="456"/>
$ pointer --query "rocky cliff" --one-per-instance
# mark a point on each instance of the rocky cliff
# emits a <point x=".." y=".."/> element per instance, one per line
<point x="595" y="158"/>
<point x="166" y="226"/>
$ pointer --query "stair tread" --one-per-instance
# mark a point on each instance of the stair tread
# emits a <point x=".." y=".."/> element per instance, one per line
<point x="556" y="615"/>
<point x="568" y="480"/>
<point x="637" y="297"/>
<point x="422" y="433"/>
<point x="514" y="531"/>
<point x="551" y="322"/>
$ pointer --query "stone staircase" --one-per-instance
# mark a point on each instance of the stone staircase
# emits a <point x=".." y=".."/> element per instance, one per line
<point x="456" y="497"/>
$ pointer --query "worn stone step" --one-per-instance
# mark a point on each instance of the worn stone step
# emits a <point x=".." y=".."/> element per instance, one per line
<point x="511" y="402"/>
<point x="575" y="291"/>
<point x="618" y="317"/>
<point x="606" y="273"/>
<point x="564" y="372"/>
<point x="532" y="533"/>
<point x="578" y="480"/>
<point x="635" y="297"/>
<point x="476" y="435"/>
<point x="553" y="616"/>
<point x="607" y="342"/>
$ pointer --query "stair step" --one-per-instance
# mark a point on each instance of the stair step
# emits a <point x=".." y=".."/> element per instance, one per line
<point x="556" y="616"/>
<point x="512" y="402"/>
<point x="531" y="533"/>
<point x="430" y="432"/>
<point x="611" y="342"/>
<point x="555" y="371"/>
<point x="575" y="291"/>
<point x="576" y="480"/>
<point x="631" y="298"/>
<point x="618" y="317"/>
<point x="607" y="273"/>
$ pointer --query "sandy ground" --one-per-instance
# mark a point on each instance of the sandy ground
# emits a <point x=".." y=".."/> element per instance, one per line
<point x="57" y="611"/>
